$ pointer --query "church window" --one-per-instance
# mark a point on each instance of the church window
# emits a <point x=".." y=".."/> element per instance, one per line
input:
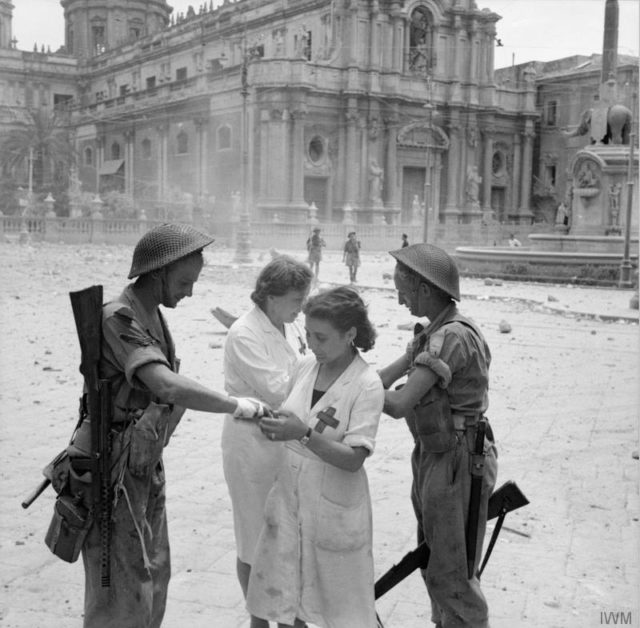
<point x="316" y="149"/>
<point x="88" y="156"/>
<point x="98" y="38"/>
<point x="421" y="54"/>
<point x="146" y="148"/>
<point x="224" y="137"/>
<point x="181" y="74"/>
<point x="151" y="82"/>
<point x="183" y="143"/>
<point x="551" y="175"/>
<point x="115" y="150"/>
<point x="498" y="163"/>
<point x="551" y="112"/>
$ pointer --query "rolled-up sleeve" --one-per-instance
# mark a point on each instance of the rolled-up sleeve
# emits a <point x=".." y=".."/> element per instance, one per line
<point x="247" y="359"/>
<point x="130" y="345"/>
<point x="365" y="414"/>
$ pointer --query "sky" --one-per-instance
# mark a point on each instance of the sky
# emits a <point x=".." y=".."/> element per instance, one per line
<point x="530" y="30"/>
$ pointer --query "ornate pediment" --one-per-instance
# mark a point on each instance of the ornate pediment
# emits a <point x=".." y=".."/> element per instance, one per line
<point x="421" y="135"/>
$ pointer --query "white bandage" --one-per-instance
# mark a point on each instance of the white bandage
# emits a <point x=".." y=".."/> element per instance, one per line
<point x="248" y="408"/>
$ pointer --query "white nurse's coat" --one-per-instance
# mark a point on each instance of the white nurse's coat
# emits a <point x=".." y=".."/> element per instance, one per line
<point x="313" y="559"/>
<point x="258" y="362"/>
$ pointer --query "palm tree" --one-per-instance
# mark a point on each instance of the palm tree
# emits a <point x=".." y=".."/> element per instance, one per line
<point x="40" y="149"/>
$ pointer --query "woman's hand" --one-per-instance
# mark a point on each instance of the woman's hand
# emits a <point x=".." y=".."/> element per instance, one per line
<point x="283" y="425"/>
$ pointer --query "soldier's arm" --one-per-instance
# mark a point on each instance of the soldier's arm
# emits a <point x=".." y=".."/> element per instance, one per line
<point x="177" y="389"/>
<point x="394" y="371"/>
<point x="398" y="403"/>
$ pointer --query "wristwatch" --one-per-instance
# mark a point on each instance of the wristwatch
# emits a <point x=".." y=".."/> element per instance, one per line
<point x="305" y="439"/>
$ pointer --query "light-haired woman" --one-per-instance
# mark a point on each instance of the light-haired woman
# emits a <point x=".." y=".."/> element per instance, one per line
<point x="261" y="351"/>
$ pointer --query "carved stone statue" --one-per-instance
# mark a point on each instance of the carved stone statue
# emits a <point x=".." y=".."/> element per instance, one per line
<point x="614" y="202"/>
<point x="473" y="185"/>
<point x="376" y="174"/>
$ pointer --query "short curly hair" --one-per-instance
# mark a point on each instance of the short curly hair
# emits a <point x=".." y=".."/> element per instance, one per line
<point x="343" y="308"/>
<point x="280" y="276"/>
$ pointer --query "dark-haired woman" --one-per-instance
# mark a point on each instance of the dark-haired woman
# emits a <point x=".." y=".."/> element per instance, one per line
<point x="262" y="349"/>
<point x="313" y="562"/>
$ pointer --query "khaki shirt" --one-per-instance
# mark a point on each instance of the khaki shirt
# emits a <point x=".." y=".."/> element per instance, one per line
<point x="130" y="341"/>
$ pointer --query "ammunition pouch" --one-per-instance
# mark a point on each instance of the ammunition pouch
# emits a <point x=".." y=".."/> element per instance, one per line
<point x="72" y="516"/>
<point x="148" y="434"/>
<point x="433" y="423"/>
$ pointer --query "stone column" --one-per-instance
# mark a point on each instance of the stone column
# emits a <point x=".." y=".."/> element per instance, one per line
<point x="515" y="176"/>
<point x="264" y="154"/>
<point x="398" y="36"/>
<point x="100" y="140"/>
<point x="524" y="211"/>
<point x="129" y="181"/>
<point x="487" y="172"/>
<point x="298" y="149"/>
<point x="452" y="207"/>
<point x="163" y="133"/>
<point x="353" y="35"/>
<point x="201" y="156"/>
<point x="278" y="179"/>
<point x="352" y="155"/>
<point x="473" y="53"/>
<point x="454" y="77"/>
<point x="391" y="165"/>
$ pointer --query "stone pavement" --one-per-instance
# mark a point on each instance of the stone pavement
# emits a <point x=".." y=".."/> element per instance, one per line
<point x="564" y="406"/>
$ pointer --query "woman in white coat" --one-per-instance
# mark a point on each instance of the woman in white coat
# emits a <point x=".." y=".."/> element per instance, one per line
<point x="261" y="351"/>
<point x="313" y="562"/>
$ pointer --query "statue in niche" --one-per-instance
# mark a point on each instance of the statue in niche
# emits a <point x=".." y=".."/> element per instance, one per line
<point x="278" y="39"/>
<point x="376" y="173"/>
<point x="473" y="185"/>
<point x="587" y="176"/>
<point x="614" y="202"/>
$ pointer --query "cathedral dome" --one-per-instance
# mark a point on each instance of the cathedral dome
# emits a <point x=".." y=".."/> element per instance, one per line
<point x="95" y="26"/>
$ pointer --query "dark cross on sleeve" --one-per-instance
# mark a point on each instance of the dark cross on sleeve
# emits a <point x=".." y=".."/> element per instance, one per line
<point x="326" y="418"/>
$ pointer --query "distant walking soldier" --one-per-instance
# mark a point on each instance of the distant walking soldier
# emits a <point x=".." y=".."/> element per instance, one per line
<point x="314" y="246"/>
<point x="351" y="256"/>
<point x="443" y="402"/>
<point x="148" y="398"/>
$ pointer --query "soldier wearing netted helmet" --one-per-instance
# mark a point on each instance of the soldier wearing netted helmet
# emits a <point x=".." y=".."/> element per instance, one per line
<point x="149" y="398"/>
<point x="443" y="402"/>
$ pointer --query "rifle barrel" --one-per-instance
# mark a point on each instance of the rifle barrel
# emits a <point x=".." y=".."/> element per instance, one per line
<point x="36" y="493"/>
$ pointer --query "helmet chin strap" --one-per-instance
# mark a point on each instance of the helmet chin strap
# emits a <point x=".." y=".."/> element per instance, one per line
<point x="165" y="289"/>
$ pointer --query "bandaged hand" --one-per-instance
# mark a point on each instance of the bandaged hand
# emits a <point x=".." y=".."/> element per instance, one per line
<point x="250" y="408"/>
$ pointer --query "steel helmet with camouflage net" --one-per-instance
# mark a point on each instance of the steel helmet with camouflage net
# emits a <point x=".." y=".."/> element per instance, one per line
<point x="164" y="245"/>
<point x="432" y="263"/>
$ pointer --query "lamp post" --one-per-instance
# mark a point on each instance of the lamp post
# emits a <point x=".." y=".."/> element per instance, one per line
<point x="625" y="266"/>
<point x="243" y="239"/>
<point x="427" y="174"/>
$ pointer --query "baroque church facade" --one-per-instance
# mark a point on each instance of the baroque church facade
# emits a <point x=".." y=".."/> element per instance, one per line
<point x="387" y="109"/>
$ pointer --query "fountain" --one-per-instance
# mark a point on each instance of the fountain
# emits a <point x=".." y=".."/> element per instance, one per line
<point x="590" y="222"/>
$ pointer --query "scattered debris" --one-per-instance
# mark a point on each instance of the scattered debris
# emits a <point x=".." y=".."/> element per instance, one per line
<point x="405" y="325"/>
<point x="635" y="455"/>
<point x="551" y="298"/>
<point x="387" y="276"/>
<point x="504" y="327"/>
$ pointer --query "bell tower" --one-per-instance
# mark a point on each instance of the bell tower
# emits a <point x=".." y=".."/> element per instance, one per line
<point x="95" y="26"/>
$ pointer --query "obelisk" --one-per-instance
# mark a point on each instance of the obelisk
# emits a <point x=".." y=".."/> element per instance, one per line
<point x="607" y="89"/>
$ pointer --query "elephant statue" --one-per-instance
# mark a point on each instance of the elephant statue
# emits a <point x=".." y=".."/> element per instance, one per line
<point x="619" y="120"/>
